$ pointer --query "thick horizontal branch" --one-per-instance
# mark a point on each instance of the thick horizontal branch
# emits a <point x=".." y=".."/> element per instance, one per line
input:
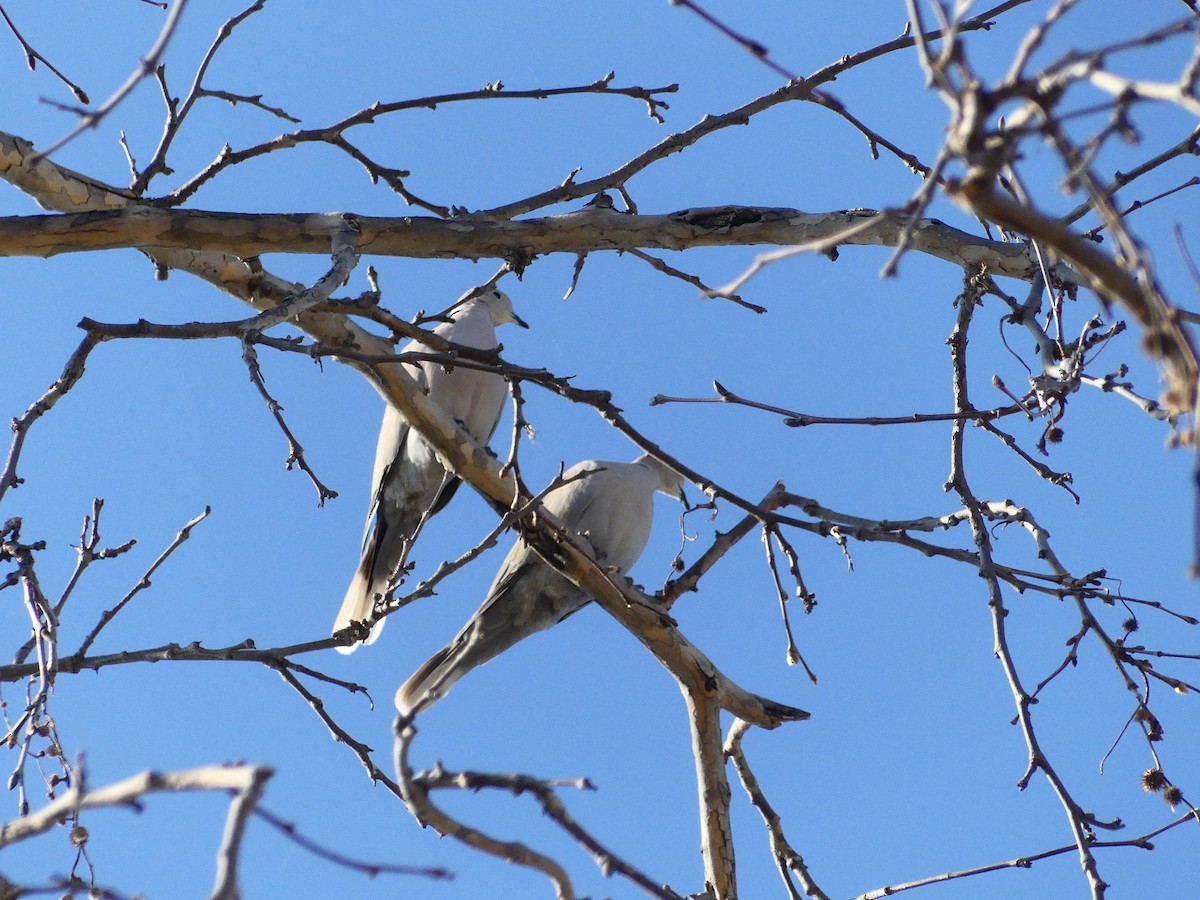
<point x="426" y="237"/>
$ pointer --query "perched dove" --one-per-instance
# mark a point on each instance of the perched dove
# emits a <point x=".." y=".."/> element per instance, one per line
<point x="409" y="482"/>
<point x="612" y="508"/>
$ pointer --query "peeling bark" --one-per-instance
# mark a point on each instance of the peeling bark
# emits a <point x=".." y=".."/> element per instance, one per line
<point x="96" y="217"/>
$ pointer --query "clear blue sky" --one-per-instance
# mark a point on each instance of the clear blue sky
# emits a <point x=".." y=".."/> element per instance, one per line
<point x="909" y="763"/>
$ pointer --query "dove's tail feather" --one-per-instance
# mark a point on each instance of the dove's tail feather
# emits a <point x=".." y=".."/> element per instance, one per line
<point x="430" y="681"/>
<point x="359" y="602"/>
<point x="471" y="648"/>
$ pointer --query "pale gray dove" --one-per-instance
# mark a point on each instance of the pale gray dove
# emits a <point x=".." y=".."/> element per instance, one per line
<point x="409" y="483"/>
<point x="612" y="508"/>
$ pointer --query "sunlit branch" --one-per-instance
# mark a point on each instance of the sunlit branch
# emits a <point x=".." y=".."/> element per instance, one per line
<point x="89" y="540"/>
<point x="416" y="799"/>
<point x="694" y="281"/>
<point x="295" y="455"/>
<point x="178" y="112"/>
<point x="801" y="89"/>
<point x="712" y="783"/>
<point x="794" y="419"/>
<point x="72" y="372"/>
<point x="545" y="791"/>
<point x="127" y="793"/>
<point x="422" y="237"/>
<point x="787" y="860"/>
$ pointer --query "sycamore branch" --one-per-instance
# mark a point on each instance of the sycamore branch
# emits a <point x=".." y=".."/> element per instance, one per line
<point x="241" y="780"/>
<point x="101" y="217"/>
<point x="426" y="237"/>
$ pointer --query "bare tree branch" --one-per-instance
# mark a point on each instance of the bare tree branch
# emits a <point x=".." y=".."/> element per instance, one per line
<point x="32" y="58"/>
<point x="89" y="119"/>
<point x="253" y="234"/>
<point x="1084" y="109"/>
<point x="143" y="583"/>
<point x="239" y="779"/>
<point x="416" y="798"/>
<point x="787" y="859"/>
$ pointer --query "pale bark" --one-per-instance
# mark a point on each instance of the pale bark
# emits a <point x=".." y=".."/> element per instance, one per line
<point x="239" y="779"/>
<point x="101" y="217"/>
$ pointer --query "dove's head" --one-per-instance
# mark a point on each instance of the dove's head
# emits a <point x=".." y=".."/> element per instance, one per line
<point x="499" y="306"/>
<point x="670" y="482"/>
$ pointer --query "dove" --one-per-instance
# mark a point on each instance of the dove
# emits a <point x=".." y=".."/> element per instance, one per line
<point x="612" y="508"/>
<point x="409" y="483"/>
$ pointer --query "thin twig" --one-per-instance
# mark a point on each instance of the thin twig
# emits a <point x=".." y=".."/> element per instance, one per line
<point x="32" y="58"/>
<point x="146" y="66"/>
<point x="295" y="455"/>
<point x="292" y="833"/>
<point x="693" y="280"/>
<point x="144" y="582"/>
